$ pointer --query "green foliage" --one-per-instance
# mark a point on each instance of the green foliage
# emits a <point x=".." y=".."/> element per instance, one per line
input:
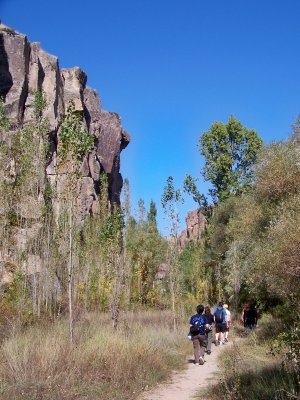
<point x="39" y="103"/>
<point x="111" y="228"/>
<point x="4" y="122"/>
<point x="103" y="198"/>
<point x="278" y="171"/>
<point x="229" y="151"/>
<point x="16" y="290"/>
<point x="146" y="250"/>
<point x="170" y="200"/>
<point x="74" y="141"/>
<point x="141" y="210"/>
<point x="170" y="194"/>
<point x="195" y="277"/>
<point x="296" y="129"/>
<point x="252" y="242"/>
<point x="291" y="340"/>
<point x="190" y="187"/>
<point x="152" y="212"/>
<point x="48" y="197"/>
<point x="126" y="200"/>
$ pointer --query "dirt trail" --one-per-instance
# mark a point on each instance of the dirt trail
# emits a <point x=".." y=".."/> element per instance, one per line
<point x="185" y="385"/>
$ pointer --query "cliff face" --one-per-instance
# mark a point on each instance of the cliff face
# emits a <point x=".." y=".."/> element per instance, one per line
<point x="195" y="226"/>
<point x="24" y="68"/>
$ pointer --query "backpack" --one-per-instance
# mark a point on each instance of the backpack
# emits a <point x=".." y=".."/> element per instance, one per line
<point x="198" y="326"/>
<point x="195" y="330"/>
<point x="219" y="316"/>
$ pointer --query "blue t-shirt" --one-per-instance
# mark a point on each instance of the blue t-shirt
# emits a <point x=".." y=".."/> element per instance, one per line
<point x="200" y="321"/>
<point x="219" y="308"/>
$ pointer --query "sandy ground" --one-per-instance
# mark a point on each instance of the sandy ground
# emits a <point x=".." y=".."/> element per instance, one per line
<point x="185" y="385"/>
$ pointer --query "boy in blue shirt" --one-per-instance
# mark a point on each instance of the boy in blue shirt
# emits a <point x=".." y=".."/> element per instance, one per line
<point x="198" y="323"/>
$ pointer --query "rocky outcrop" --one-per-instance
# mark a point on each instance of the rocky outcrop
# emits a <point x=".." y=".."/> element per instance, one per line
<point x="24" y="69"/>
<point x="195" y="226"/>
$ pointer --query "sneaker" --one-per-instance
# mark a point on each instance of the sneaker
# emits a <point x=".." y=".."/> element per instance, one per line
<point x="208" y="352"/>
<point x="201" y="361"/>
<point x="226" y="340"/>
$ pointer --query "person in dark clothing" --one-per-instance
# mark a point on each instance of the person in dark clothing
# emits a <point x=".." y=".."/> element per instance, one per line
<point x="249" y="317"/>
<point x="198" y="325"/>
<point x="209" y="331"/>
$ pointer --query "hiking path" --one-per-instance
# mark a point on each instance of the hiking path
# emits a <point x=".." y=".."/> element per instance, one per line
<point x="186" y="384"/>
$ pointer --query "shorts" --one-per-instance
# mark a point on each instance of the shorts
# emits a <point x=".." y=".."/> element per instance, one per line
<point x="220" y="327"/>
<point x="227" y="326"/>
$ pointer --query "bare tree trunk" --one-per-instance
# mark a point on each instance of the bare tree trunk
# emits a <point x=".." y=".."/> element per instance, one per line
<point x="70" y="280"/>
<point x="117" y="290"/>
<point x="173" y="278"/>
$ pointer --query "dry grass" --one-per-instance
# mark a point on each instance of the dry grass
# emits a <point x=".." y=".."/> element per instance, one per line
<point x="249" y="370"/>
<point x="39" y="364"/>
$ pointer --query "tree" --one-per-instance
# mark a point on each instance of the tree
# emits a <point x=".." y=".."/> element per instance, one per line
<point x="141" y="210"/>
<point x="171" y="198"/>
<point x="152" y="213"/>
<point x="74" y="144"/>
<point x="230" y="151"/>
<point x="190" y="187"/>
<point x="296" y="129"/>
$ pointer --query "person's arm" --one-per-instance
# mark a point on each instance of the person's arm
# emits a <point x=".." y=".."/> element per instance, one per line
<point x="207" y="324"/>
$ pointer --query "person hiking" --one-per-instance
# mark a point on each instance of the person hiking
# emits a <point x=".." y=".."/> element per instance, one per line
<point x="209" y="331"/>
<point x="249" y="317"/>
<point x="220" y="321"/>
<point x="198" y="324"/>
<point x="228" y="322"/>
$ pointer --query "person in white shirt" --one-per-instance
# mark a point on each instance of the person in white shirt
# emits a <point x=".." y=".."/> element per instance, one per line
<point x="228" y="322"/>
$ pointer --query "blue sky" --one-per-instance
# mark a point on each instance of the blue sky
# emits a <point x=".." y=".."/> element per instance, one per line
<point x="172" y="68"/>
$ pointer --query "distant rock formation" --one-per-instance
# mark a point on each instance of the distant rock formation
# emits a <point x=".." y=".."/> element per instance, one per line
<point x="162" y="271"/>
<point x="195" y="226"/>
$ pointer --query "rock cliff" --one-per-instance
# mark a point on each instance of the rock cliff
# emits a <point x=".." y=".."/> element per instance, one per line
<point x="195" y="226"/>
<point x="25" y="68"/>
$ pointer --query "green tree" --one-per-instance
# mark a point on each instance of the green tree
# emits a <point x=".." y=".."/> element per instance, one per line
<point x="152" y="213"/>
<point x="146" y="250"/>
<point x="230" y="150"/>
<point x="171" y="198"/>
<point x="74" y="144"/>
<point x="141" y="210"/>
<point x="190" y="187"/>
